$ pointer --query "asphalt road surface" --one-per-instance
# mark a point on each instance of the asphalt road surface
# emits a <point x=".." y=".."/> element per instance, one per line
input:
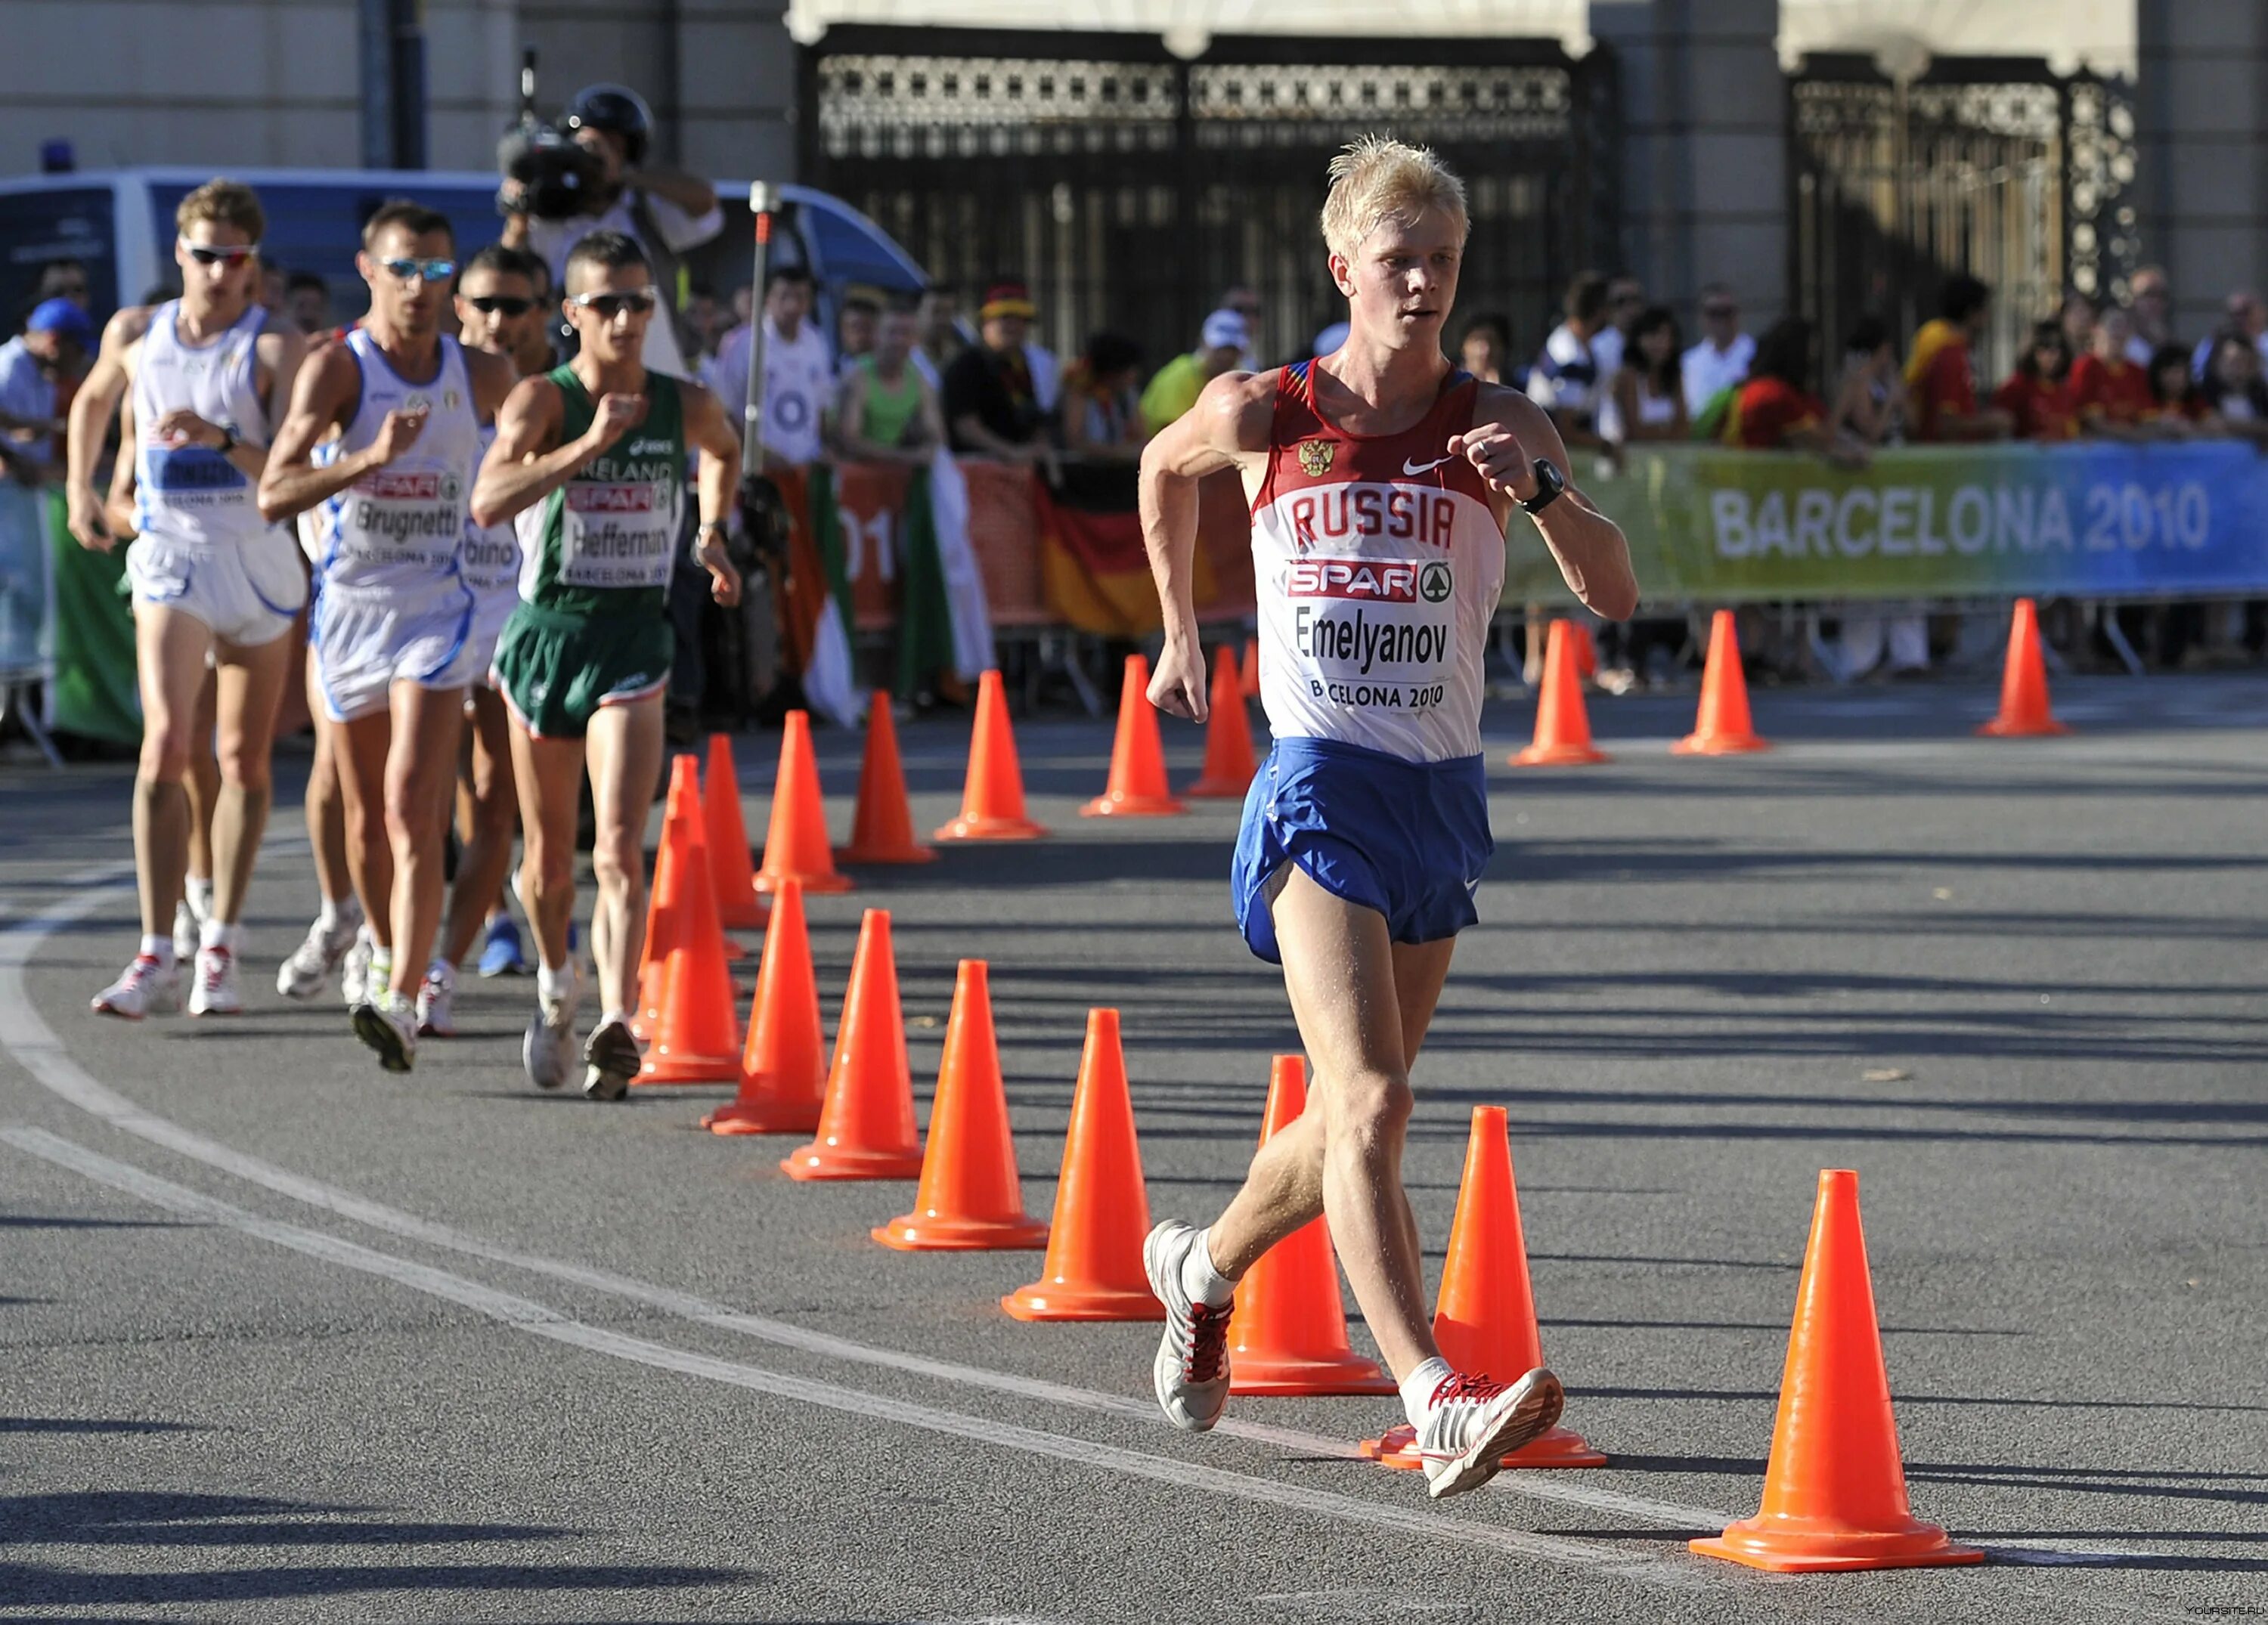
<point x="287" y="1338"/>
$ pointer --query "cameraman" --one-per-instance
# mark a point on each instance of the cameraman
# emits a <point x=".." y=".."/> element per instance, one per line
<point x="665" y="212"/>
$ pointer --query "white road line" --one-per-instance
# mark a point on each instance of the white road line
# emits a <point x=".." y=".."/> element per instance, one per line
<point x="35" y="1045"/>
<point x="541" y="1320"/>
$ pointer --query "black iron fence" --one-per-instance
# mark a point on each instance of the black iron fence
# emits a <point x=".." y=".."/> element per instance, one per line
<point x="1130" y="187"/>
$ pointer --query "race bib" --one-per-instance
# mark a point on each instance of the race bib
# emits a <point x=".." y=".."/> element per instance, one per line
<point x="617" y="535"/>
<point x="414" y="518"/>
<point x="1372" y="632"/>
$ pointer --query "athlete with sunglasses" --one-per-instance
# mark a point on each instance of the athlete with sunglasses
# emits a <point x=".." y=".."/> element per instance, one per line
<point x="592" y="457"/>
<point x="394" y="623"/>
<point x="211" y="576"/>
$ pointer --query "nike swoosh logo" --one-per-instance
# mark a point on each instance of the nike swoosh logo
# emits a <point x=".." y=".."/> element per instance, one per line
<point x="1409" y="468"/>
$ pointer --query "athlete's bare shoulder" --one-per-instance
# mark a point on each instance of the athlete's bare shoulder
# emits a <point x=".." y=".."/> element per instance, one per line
<point x="127" y="325"/>
<point x="1238" y="410"/>
<point x="1507" y="408"/>
<point x="492" y="377"/>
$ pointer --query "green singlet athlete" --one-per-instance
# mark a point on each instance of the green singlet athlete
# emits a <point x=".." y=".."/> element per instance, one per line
<point x="597" y="448"/>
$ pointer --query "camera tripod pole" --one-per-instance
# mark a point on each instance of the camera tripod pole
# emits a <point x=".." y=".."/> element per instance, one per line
<point x="762" y="540"/>
<point x="752" y="412"/>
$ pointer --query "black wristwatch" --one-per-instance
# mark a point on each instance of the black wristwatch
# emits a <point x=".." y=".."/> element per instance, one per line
<point x="1549" y="483"/>
<point x="227" y="440"/>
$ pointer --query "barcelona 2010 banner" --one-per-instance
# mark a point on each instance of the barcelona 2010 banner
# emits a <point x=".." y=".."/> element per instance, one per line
<point x="2092" y="520"/>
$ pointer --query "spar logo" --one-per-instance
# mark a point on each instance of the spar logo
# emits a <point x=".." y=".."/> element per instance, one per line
<point x="593" y="497"/>
<point x="389" y="485"/>
<point x="1374" y="581"/>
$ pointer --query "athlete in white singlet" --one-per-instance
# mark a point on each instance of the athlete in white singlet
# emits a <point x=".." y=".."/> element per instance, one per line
<point x="1380" y="483"/>
<point x="496" y="312"/>
<point x="394" y="626"/>
<point x="211" y="578"/>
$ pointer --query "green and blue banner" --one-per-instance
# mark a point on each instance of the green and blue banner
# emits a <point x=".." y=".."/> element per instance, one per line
<point x="2095" y="520"/>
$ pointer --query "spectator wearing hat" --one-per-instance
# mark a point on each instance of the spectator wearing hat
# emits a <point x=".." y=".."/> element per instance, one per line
<point x="991" y="405"/>
<point x="47" y="358"/>
<point x="1174" y="390"/>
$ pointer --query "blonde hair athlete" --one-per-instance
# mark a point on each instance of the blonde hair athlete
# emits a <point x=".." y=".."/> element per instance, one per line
<point x="1381" y="480"/>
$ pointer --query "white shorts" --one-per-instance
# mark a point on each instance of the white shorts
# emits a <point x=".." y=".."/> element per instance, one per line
<point x="492" y="606"/>
<point x="365" y="641"/>
<point x="245" y="594"/>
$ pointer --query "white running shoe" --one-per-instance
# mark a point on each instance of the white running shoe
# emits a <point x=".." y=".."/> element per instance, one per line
<point x="610" y="1062"/>
<point x="435" y="1019"/>
<point x="390" y="1027"/>
<point x="188" y="932"/>
<point x="213" y="990"/>
<point x="147" y="989"/>
<point x="548" y="1051"/>
<point x="353" y="968"/>
<point x="302" y="976"/>
<point x="1472" y="1424"/>
<point x="1191" y="1373"/>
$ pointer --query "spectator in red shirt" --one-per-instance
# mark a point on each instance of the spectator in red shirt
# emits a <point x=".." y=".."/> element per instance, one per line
<point x="1774" y="411"/>
<point x="2177" y="406"/>
<point x="2111" y="392"/>
<point x="1940" y="381"/>
<point x="2037" y="396"/>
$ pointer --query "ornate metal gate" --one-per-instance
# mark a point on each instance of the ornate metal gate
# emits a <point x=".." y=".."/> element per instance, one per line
<point x="1131" y="188"/>
<point x="1988" y="165"/>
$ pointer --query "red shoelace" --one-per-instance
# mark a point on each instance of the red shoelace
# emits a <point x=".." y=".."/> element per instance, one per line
<point x="1208" y="1342"/>
<point x="1461" y="1386"/>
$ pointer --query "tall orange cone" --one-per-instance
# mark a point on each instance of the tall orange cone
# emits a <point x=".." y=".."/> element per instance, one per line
<point x="796" y="843"/>
<point x="992" y="802"/>
<point x="1228" y="761"/>
<point x="883" y="829"/>
<point x="866" y="1123"/>
<point x="1722" y="727"/>
<point x="2024" y="712"/>
<point x="1485" y="1319"/>
<point x="739" y="909"/>
<point x="681" y="803"/>
<point x="1835" y="1490"/>
<point x="783" y="1064"/>
<point x="1563" y="728"/>
<point x="1248" y="679"/>
<point x="1137" y="788"/>
<point x="696" y="1040"/>
<point x="1094" y="1269"/>
<point x="1288" y="1334"/>
<point x="969" y="1199"/>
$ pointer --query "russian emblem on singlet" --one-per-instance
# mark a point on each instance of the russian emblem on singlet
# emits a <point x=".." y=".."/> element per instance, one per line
<point x="1315" y="458"/>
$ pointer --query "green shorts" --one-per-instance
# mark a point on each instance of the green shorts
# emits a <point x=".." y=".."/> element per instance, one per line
<point x="556" y="670"/>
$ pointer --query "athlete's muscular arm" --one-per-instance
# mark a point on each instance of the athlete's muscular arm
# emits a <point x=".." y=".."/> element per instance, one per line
<point x="527" y="463"/>
<point x="323" y="397"/>
<point x="1509" y="433"/>
<point x="492" y="377"/>
<point x="1229" y="423"/>
<point x="91" y="409"/>
<point x="707" y="426"/>
<point x="118" y="506"/>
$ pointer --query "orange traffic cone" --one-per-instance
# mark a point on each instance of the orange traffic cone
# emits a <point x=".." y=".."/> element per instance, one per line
<point x="1247" y="673"/>
<point x="883" y="829"/>
<point x="1835" y="1491"/>
<point x="784" y="1065"/>
<point x="992" y="802"/>
<point x="866" y="1122"/>
<point x="1094" y="1269"/>
<point x="1137" y="788"/>
<point x="1228" y="761"/>
<point x="661" y="924"/>
<point x="1586" y="650"/>
<point x="739" y="909"/>
<point x="1563" y="728"/>
<point x="696" y="1040"/>
<point x="1485" y="1319"/>
<point x="970" y="1199"/>
<point x="2024" y="712"/>
<point x="1722" y="727"/>
<point x="1289" y="1327"/>
<point x="795" y="844"/>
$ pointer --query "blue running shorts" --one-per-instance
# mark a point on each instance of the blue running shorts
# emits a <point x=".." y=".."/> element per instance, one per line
<point x="1408" y="839"/>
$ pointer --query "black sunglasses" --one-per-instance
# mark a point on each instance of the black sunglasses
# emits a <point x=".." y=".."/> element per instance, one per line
<point x="610" y="305"/>
<point x="489" y="304"/>
<point x="235" y="254"/>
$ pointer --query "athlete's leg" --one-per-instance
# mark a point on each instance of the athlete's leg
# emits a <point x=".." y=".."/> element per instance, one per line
<point x="626" y="748"/>
<point x="203" y="786"/>
<point x="170" y="653"/>
<point x="420" y="773"/>
<point x="548" y="775"/>
<point x="488" y="815"/>
<point x="360" y="747"/>
<point x="326" y="806"/>
<point x="251" y="682"/>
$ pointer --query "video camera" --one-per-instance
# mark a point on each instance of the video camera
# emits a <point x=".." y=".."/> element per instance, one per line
<point x="556" y="175"/>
